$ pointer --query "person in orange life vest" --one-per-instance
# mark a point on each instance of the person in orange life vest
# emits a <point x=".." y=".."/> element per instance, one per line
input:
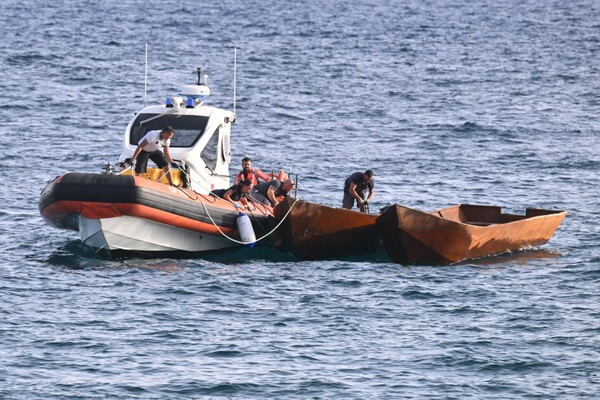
<point x="149" y="147"/>
<point x="253" y="174"/>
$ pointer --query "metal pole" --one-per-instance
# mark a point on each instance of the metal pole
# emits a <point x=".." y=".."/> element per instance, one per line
<point x="146" y="75"/>
<point x="296" y="186"/>
<point x="234" y="75"/>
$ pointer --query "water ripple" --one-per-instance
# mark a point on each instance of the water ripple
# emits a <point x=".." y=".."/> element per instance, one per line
<point x="464" y="102"/>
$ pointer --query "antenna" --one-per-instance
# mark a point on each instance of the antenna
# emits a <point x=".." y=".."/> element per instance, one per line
<point x="146" y="75"/>
<point x="199" y="72"/>
<point x="234" y="75"/>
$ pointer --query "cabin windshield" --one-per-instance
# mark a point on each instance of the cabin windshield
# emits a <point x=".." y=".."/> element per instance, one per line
<point x="188" y="128"/>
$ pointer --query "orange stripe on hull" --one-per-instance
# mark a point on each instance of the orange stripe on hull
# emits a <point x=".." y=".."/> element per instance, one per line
<point x="94" y="210"/>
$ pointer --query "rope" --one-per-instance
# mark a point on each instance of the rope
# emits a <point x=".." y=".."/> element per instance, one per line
<point x="257" y="221"/>
<point x="251" y="213"/>
<point x="165" y="174"/>
<point x="217" y="226"/>
<point x="125" y="170"/>
<point x="195" y="181"/>
<point x="312" y="198"/>
<point x="210" y="192"/>
<point x="257" y="240"/>
<point x="186" y="193"/>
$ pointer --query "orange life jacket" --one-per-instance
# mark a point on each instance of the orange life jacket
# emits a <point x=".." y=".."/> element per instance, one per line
<point x="282" y="176"/>
<point x="240" y="177"/>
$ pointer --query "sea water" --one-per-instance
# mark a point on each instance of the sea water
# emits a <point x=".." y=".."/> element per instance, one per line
<point x="478" y="102"/>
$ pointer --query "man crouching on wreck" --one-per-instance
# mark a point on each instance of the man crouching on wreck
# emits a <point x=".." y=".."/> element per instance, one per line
<point x="354" y="189"/>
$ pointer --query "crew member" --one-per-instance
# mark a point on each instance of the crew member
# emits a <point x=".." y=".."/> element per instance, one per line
<point x="354" y="189"/>
<point x="149" y="147"/>
<point x="247" y="172"/>
<point x="269" y="192"/>
<point x="237" y="193"/>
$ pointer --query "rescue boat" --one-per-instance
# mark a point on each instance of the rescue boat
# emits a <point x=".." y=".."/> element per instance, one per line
<point x="116" y="210"/>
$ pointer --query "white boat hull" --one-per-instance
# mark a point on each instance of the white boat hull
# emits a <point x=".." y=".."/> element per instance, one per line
<point x="138" y="234"/>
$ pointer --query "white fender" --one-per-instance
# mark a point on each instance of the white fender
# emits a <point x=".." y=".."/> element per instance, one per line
<point x="245" y="227"/>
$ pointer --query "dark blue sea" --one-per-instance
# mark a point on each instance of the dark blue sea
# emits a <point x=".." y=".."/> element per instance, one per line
<point x="481" y="102"/>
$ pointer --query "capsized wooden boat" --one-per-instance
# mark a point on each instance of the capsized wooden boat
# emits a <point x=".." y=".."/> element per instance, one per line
<point x="132" y="213"/>
<point x="313" y="231"/>
<point x="462" y="232"/>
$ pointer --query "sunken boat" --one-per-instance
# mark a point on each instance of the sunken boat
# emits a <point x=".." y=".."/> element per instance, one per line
<point x="313" y="231"/>
<point x="462" y="232"/>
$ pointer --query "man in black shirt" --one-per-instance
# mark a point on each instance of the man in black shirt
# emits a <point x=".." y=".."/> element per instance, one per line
<point x="236" y="193"/>
<point x="269" y="192"/>
<point x="354" y="189"/>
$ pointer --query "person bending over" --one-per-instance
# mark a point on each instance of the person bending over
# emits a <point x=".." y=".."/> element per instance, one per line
<point x="269" y="192"/>
<point x="149" y="147"/>
<point x="354" y="189"/>
<point x="237" y="193"/>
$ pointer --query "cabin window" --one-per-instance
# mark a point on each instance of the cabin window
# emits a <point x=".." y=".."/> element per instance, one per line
<point x="188" y="128"/>
<point x="225" y="149"/>
<point x="210" y="152"/>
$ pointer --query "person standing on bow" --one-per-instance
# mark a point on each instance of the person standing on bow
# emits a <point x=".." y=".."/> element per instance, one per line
<point x="354" y="189"/>
<point x="253" y="174"/>
<point x="149" y="147"/>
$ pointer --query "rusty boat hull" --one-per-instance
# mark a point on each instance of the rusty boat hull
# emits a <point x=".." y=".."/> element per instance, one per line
<point x="462" y="232"/>
<point x="312" y="231"/>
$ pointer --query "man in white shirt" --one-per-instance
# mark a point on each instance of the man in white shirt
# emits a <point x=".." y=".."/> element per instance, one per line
<point x="149" y="147"/>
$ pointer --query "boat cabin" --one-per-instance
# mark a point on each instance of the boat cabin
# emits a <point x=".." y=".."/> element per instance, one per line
<point x="201" y="142"/>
